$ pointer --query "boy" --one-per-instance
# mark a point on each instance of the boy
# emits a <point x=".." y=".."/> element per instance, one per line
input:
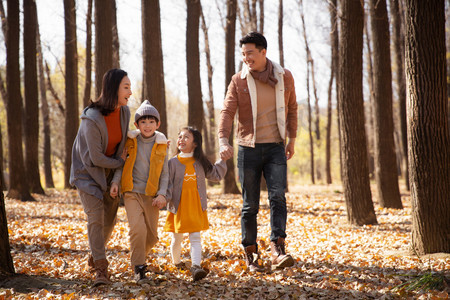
<point x="143" y="182"/>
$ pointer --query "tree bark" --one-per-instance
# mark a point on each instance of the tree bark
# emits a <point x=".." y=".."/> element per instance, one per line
<point x="52" y="90"/>
<point x="153" y="69"/>
<point x="31" y="98"/>
<point x="6" y="262"/>
<point x="355" y="177"/>
<point x="71" y="86"/>
<point x="195" y="110"/>
<point x="88" y="63"/>
<point x="115" y="37"/>
<point x="103" y="41"/>
<point x="261" y="16"/>
<point x="210" y="138"/>
<point x="428" y="128"/>
<point x="385" y="158"/>
<point x="280" y="32"/>
<point x="18" y="188"/>
<point x="46" y="130"/>
<point x="230" y="186"/>
<point x="399" y="57"/>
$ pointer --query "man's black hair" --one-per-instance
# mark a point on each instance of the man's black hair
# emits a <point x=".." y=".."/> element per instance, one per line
<point x="254" y="38"/>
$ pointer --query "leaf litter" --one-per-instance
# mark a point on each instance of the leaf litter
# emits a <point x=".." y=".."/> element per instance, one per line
<point x="334" y="260"/>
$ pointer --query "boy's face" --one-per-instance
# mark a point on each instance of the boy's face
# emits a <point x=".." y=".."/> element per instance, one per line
<point x="147" y="127"/>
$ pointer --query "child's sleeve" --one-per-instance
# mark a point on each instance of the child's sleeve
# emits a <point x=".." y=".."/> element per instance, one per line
<point x="171" y="180"/>
<point x="164" y="179"/>
<point x="117" y="175"/>
<point x="219" y="168"/>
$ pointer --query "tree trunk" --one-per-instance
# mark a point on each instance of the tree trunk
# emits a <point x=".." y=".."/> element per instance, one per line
<point x="31" y="98"/>
<point x="385" y="158"/>
<point x="210" y="138"/>
<point x="261" y="16"/>
<point x="428" y="129"/>
<point x="115" y="37"/>
<point x="88" y="63"/>
<point x="18" y="188"/>
<point x="280" y="32"/>
<point x="355" y="174"/>
<point x="71" y="89"/>
<point x="195" y="110"/>
<point x="153" y="69"/>
<point x="45" y="116"/>
<point x="333" y="69"/>
<point x="52" y="90"/>
<point x="230" y="186"/>
<point x="103" y="41"/>
<point x="5" y="102"/>
<point x="308" y="65"/>
<point x="2" y="177"/>
<point x="399" y="57"/>
<point x="6" y="262"/>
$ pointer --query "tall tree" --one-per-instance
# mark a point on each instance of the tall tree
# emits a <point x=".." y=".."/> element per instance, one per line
<point x="18" y="188"/>
<point x="3" y="93"/>
<point x="209" y="127"/>
<point x="195" y="110"/>
<point x="280" y="32"/>
<point x="261" y="16"/>
<point x="71" y="86"/>
<point x="88" y="62"/>
<point x="385" y="158"/>
<point x="399" y="58"/>
<point x="115" y="36"/>
<point x="355" y="174"/>
<point x="334" y="44"/>
<point x="103" y="41"/>
<point x="31" y="97"/>
<point x="45" y="111"/>
<point x="428" y="128"/>
<point x="230" y="185"/>
<point x="6" y="262"/>
<point x="153" y="70"/>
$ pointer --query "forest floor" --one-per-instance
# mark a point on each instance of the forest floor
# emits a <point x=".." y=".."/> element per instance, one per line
<point x="334" y="260"/>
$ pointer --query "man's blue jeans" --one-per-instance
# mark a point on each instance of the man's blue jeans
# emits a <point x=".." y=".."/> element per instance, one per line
<point x="268" y="160"/>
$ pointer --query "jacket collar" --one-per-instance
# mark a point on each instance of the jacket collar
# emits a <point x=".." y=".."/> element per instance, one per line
<point x="276" y="69"/>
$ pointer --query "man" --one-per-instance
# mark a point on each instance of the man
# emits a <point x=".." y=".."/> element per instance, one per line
<point x="263" y="94"/>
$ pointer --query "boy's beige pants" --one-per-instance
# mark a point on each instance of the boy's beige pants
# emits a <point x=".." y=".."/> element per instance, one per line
<point x="143" y="222"/>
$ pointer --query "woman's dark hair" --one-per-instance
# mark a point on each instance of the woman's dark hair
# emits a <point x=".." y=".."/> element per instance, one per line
<point x="108" y="100"/>
<point x="198" y="151"/>
<point x="256" y="38"/>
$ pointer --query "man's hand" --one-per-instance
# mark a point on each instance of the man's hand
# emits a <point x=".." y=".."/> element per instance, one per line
<point x="124" y="154"/>
<point x="290" y="149"/>
<point x="159" y="201"/>
<point x="114" y="190"/>
<point x="225" y="149"/>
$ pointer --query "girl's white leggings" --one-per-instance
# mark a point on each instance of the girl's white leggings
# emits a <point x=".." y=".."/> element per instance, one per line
<point x="196" y="247"/>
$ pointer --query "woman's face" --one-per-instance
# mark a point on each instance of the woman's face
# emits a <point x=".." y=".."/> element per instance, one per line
<point x="185" y="141"/>
<point x="124" y="91"/>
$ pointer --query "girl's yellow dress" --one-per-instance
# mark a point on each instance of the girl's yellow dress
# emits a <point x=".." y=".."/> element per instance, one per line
<point x="189" y="217"/>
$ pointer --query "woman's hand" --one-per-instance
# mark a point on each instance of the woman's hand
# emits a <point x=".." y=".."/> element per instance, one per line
<point x="124" y="154"/>
<point x="159" y="201"/>
<point x="114" y="190"/>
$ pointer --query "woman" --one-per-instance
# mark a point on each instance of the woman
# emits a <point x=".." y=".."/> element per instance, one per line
<point x="97" y="151"/>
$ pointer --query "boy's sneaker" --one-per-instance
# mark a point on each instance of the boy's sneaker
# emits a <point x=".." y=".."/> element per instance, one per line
<point x="139" y="274"/>
<point x="198" y="273"/>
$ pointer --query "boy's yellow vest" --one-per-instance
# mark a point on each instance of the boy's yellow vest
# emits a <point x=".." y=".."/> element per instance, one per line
<point x="156" y="164"/>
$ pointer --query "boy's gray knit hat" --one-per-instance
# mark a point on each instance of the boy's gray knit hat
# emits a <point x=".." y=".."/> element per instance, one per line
<point x="146" y="109"/>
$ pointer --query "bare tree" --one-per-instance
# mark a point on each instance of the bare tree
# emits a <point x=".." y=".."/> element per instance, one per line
<point x="261" y="16"/>
<point x="31" y="98"/>
<point x="103" y="41"/>
<point x="428" y="128"/>
<point x="71" y="86"/>
<point x="385" y="158"/>
<point x="195" y="113"/>
<point x="399" y="57"/>
<point x="88" y="62"/>
<point x="153" y="70"/>
<point x="209" y="126"/>
<point x="230" y="185"/>
<point x="280" y="32"/>
<point x="355" y="175"/>
<point x="6" y="262"/>
<point x="115" y="37"/>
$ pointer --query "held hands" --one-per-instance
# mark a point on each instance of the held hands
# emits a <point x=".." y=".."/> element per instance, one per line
<point x="225" y="149"/>
<point x="124" y="154"/>
<point x="159" y="201"/>
<point x="114" y="190"/>
<point x="290" y="149"/>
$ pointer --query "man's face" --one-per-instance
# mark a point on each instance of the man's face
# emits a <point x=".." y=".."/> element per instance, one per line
<point x="254" y="58"/>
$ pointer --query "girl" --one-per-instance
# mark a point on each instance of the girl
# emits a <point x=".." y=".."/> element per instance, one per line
<point x="97" y="151"/>
<point x="186" y="195"/>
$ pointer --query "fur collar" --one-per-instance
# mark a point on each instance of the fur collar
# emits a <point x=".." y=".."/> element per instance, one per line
<point x="160" y="137"/>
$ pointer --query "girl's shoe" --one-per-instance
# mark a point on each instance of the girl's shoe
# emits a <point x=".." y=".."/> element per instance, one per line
<point x="198" y="273"/>
<point x="139" y="274"/>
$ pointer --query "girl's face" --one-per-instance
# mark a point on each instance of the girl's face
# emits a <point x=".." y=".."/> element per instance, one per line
<point x="185" y="141"/>
<point x="124" y="91"/>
